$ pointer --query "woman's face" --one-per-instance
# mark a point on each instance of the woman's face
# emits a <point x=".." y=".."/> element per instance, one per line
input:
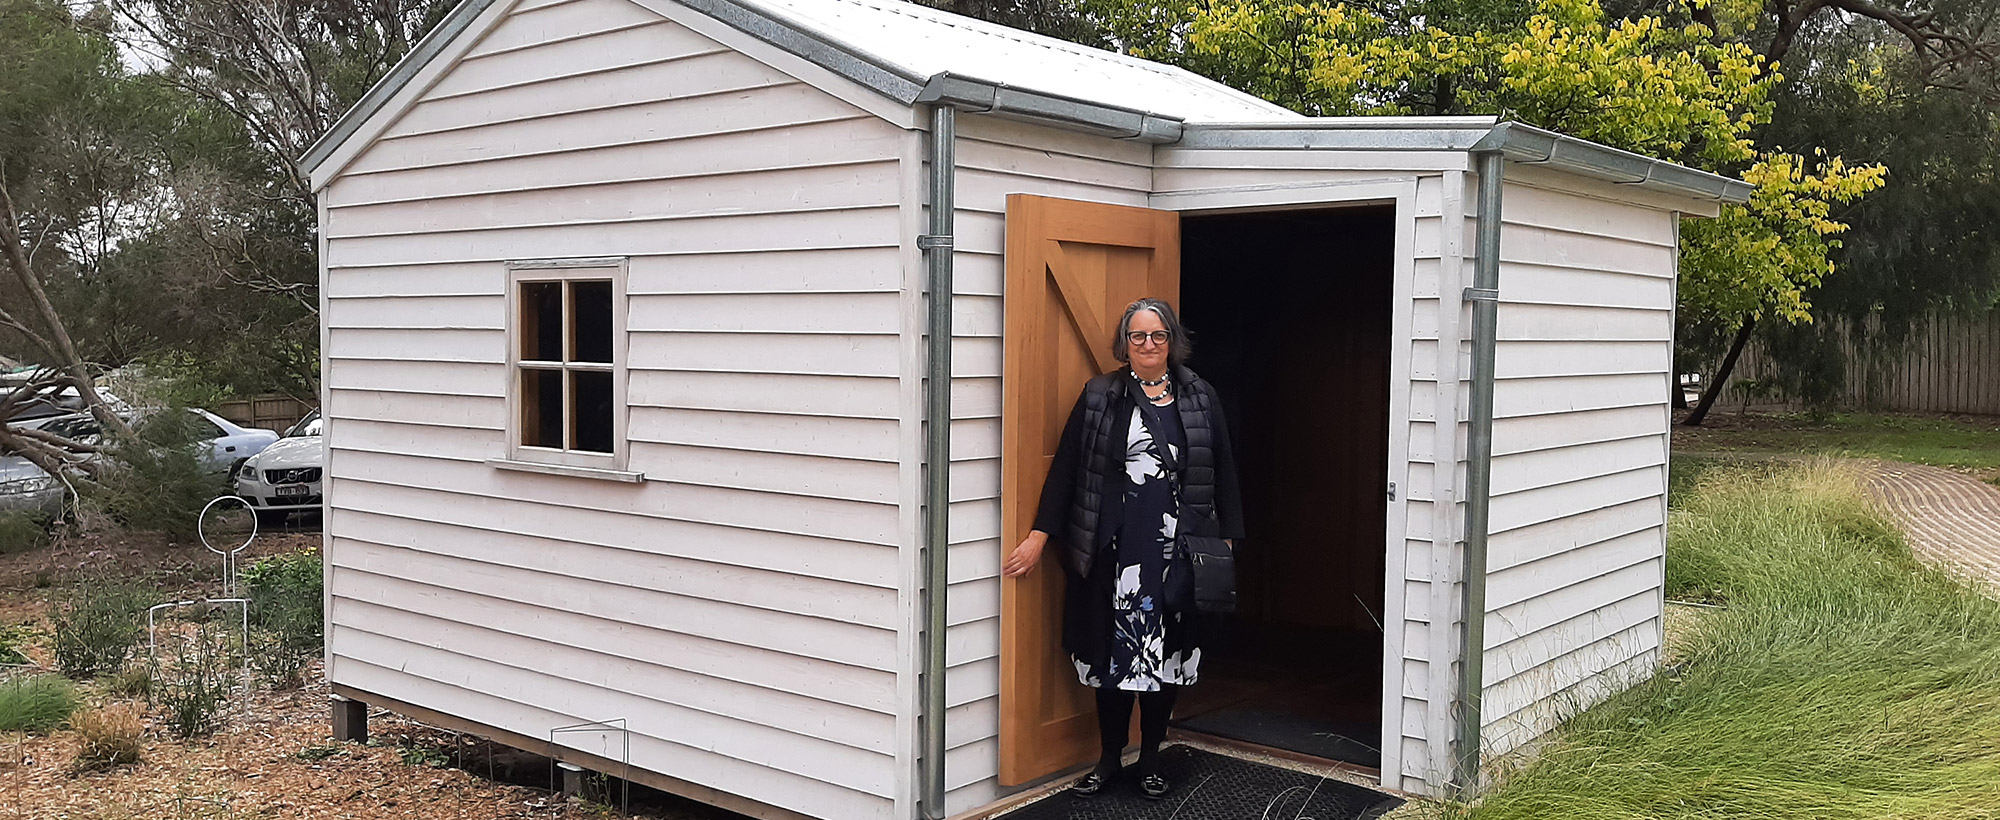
<point x="1147" y="356"/>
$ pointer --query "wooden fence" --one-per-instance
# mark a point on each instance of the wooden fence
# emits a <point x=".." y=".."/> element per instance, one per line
<point x="1950" y="364"/>
<point x="271" y="412"/>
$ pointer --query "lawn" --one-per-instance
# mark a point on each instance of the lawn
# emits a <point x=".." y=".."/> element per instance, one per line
<point x="1842" y="679"/>
<point x="1966" y="443"/>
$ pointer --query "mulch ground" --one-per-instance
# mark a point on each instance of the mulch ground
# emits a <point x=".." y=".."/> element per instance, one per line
<point x="273" y="759"/>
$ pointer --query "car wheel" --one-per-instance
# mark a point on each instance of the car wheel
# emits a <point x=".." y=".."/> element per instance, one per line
<point x="272" y="519"/>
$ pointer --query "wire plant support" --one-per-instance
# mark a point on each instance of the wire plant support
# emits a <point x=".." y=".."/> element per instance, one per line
<point x="206" y="605"/>
<point x="600" y="727"/>
<point x="229" y="556"/>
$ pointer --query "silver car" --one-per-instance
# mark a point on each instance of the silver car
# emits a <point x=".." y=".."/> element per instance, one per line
<point x="24" y="488"/>
<point x="285" y="477"/>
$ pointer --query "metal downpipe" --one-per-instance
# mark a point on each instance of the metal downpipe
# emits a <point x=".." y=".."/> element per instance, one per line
<point x="1485" y="298"/>
<point x="936" y="245"/>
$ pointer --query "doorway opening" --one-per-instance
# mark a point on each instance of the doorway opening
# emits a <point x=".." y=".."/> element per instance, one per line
<point x="1291" y="312"/>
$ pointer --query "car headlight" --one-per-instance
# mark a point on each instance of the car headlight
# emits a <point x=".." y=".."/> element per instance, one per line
<point x="23" y="486"/>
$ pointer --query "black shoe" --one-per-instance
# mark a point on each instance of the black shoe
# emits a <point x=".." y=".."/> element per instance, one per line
<point x="1155" y="786"/>
<point x="1094" y="782"/>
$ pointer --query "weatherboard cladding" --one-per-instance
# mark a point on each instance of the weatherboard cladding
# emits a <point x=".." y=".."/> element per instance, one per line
<point x="743" y="606"/>
<point x="1584" y="362"/>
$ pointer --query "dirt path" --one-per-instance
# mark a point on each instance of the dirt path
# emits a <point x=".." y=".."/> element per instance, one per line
<point x="1951" y="519"/>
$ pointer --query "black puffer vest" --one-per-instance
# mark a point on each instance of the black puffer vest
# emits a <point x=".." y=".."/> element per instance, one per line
<point x="1105" y="399"/>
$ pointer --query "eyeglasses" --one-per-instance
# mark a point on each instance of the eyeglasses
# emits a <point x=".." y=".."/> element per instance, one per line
<point x="1140" y="337"/>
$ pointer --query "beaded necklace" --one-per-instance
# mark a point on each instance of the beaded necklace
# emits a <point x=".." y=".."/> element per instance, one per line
<point x="1165" y="383"/>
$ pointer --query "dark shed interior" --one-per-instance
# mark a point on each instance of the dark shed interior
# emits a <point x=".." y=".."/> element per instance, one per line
<point x="1290" y="315"/>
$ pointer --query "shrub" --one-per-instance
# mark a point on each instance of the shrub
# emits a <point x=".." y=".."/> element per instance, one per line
<point x="158" y="480"/>
<point x="12" y="638"/>
<point x="286" y="617"/>
<point x="112" y="735"/>
<point x="192" y="679"/>
<point x="20" y="532"/>
<point x="35" y="703"/>
<point x="133" y="681"/>
<point x="94" y="621"/>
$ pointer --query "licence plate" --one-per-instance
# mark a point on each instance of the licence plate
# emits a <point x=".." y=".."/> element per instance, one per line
<point x="294" y="490"/>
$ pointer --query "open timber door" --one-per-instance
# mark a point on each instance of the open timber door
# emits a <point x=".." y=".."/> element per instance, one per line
<point x="1072" y="267"/>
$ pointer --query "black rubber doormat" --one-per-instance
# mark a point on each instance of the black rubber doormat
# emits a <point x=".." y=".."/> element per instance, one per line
<point x="1209" y="786"/>
<point x="1320" y="737"/>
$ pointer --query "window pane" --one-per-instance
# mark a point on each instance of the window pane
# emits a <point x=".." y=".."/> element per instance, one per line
<point x="541" y="321"/>
<point x="590" y="303"/>
<point x="542" y="408"/>
<point x="593" y="411"/>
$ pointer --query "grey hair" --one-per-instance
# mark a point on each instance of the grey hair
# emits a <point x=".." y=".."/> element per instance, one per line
<point x="1179" y="345"/>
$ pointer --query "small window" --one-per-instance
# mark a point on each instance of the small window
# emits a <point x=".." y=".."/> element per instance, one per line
<point x="568" y="373"/>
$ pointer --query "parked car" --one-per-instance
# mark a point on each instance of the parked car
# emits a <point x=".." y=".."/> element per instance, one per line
<point x="25" y="488"/>
<point x="287" y="476"/>
<point x="229" y="444"/>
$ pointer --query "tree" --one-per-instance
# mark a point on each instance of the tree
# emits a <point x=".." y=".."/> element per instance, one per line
<point x="1925" y="246"/>
<point x="71" y="175"/>
<point x="1665" y="84"/>
<point x="223" y="284"/>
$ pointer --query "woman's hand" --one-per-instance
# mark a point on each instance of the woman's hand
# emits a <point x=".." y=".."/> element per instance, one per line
<point x="1024" y="557"/>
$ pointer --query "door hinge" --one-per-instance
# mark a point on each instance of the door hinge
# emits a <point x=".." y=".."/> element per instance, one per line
<point x="1392" y="491"/>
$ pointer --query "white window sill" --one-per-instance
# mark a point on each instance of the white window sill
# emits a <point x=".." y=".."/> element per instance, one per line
<point x="598" y="473"/>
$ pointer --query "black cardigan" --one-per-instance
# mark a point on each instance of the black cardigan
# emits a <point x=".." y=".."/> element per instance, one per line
<point x="1059" y="488"/>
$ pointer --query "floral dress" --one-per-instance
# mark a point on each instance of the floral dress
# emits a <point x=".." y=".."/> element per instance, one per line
<point x="1149" y="645"/>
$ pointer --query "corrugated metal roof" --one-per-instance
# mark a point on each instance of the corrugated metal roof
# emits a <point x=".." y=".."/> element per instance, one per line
<point x="924" y="42"/>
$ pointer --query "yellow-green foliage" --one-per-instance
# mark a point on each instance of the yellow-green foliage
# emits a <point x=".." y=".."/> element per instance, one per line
<point x="1845" y="681"/>
<point x="1658" y="84"/>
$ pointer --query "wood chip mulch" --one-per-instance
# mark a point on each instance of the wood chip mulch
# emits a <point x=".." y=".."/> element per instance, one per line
<point x="274" y="758"/>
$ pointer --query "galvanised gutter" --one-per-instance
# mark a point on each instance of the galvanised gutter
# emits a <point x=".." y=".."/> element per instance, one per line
<point x="1528" y="145"/>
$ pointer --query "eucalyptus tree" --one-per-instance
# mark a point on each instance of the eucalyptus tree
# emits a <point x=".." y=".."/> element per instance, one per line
<point x="74" y="177"/>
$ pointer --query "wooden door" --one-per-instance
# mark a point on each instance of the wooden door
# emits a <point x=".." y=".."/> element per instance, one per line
<point x="1072" y="267"/>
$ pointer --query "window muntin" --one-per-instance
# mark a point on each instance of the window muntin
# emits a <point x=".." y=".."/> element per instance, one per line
<point x="567" y="363"/>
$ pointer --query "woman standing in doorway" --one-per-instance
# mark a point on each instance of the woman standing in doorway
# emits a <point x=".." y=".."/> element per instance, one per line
<point x="1144" y="454"/>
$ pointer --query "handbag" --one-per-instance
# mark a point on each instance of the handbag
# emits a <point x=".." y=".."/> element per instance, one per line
<point x="1201" y="575"/>
<point x="1214" y="569"/>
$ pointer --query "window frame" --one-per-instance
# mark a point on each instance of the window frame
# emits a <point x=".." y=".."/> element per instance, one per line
<point x="520" y="273"/>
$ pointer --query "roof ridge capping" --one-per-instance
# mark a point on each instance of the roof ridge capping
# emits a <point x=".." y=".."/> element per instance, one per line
<point x="1528" y="145"/>
<point x="919" y="11"/>
<point x="786" y="24"/>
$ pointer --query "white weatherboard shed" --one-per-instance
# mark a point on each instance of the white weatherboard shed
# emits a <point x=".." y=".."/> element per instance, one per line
<point x="625" y="338"/>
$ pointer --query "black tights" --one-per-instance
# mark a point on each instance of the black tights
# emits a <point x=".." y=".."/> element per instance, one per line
<point x="1114" y="721"/>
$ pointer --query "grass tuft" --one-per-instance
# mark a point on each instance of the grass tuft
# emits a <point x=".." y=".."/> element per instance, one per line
<point x="113" y="735"/>
<point x="35" y="703"/>
<point x="1844" y="680"/>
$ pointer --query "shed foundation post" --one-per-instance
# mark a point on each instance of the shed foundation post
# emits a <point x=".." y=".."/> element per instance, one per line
<point x="572" y="780"/>
<point x="350" y="720"/>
